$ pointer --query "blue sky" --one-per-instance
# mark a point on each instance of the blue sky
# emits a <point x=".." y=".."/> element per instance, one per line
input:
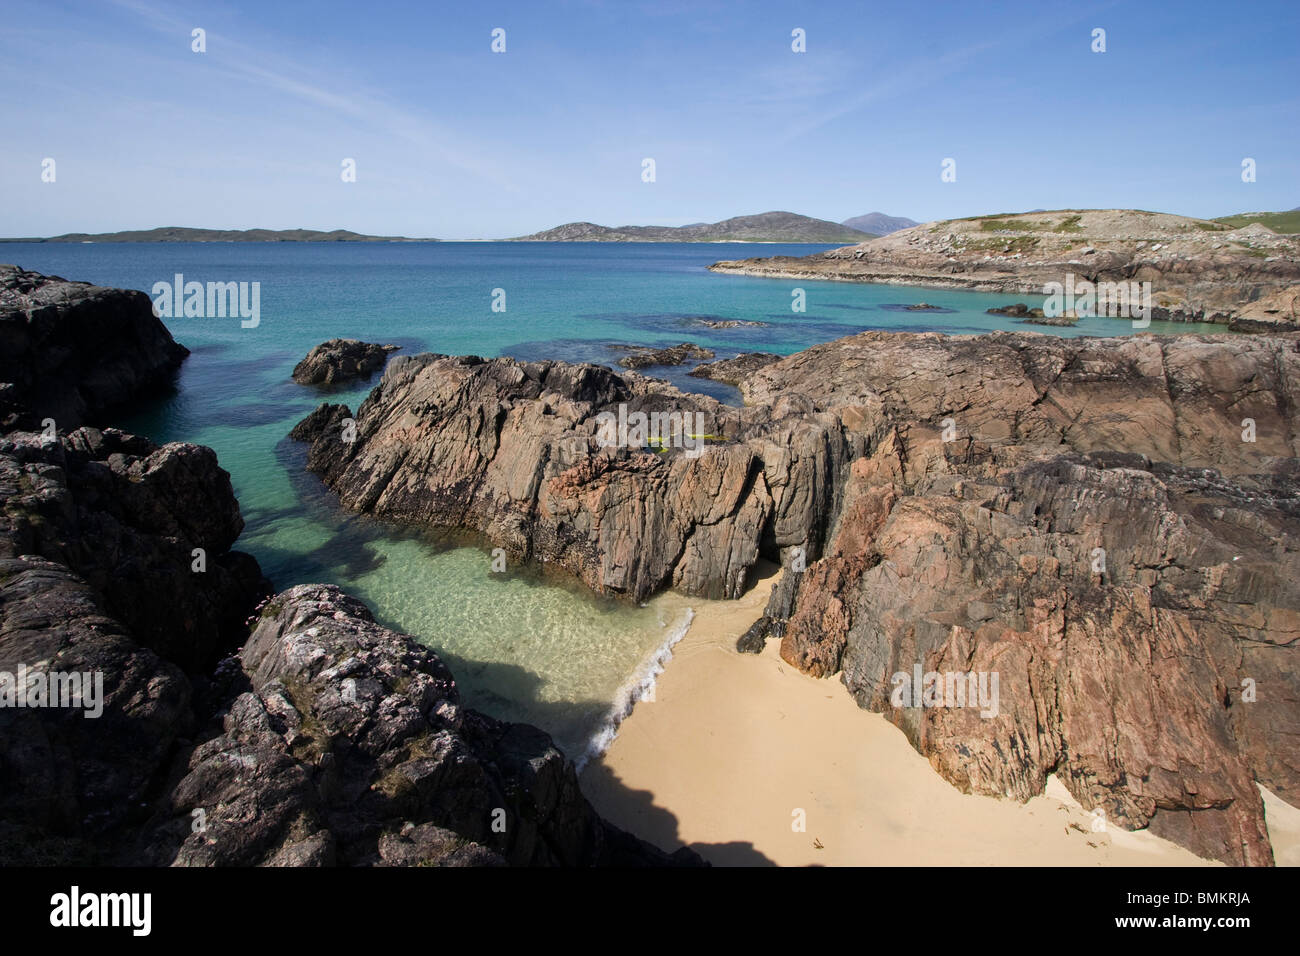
<point x="454" y="141"/>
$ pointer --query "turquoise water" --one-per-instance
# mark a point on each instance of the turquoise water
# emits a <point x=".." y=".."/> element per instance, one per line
<point x="522" y="647"/>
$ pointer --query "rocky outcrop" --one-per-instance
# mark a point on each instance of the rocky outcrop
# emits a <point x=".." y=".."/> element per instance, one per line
<point x="1108" y="524"/>
<point x="644" y="356"/>
<point x="733" y="371"/>
<point x="73" y="352"/>
<point x="1199" y="270"/>
<point x="379" y="765"/>
<point x="1111" y="527"/>
<point x="149" y="528"/>
<point x="339" y="361"/>
<point x="350" y="747"/>
<point x="99" y="575"/>
<point x="514" y="451"/>
<point x="116" y="574"/>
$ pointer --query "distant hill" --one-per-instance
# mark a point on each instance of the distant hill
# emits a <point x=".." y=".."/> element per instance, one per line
<point x="765" y="227"/>
<point x="1284" y="222"/>
<point x="187" y="234"/>
<point x="879" y="223"/>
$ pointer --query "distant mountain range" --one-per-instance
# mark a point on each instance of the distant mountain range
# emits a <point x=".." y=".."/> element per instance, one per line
<point x="879" y="223"/>
<point x="765" y="227"/>
<point x="187" y="234"/>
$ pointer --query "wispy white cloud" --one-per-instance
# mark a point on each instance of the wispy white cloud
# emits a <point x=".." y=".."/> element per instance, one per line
<point x="242" y="61"/>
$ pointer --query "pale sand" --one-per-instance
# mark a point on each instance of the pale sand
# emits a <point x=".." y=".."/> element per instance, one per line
<point x="733" y="744"/>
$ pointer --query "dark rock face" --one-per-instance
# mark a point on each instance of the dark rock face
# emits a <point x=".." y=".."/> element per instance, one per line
<point x="97" y="577"/>
<point x="126" y="516"/>
<point x="645" y="357"/>
<point x="69" y="783"/>
<point x="1110" y="525"/>
<point x="351" y="747"/>
<point x="341" y="360"/>
<point x="72" y="351"/>
<point x="733" y="371"/>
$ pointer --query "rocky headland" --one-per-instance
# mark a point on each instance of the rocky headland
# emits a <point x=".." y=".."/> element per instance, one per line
<point x="1110" y="525"/>
<point x="1199" y="270"/>
<point x="216" y="724"/>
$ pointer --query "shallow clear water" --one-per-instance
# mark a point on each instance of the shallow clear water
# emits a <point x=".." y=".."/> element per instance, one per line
<point x="522" y="647"/>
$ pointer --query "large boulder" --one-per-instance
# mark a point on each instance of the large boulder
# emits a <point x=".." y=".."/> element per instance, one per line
<point x="350" y="746"/>
<point x="75" y="352"/>
<point x="340" y="361"/>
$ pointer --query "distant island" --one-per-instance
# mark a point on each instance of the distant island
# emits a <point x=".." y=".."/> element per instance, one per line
<point x="764" y="227"/>
<point x="187" y="234"/>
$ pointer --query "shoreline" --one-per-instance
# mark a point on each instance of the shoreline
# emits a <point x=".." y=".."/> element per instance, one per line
<point x="731" y="745"/>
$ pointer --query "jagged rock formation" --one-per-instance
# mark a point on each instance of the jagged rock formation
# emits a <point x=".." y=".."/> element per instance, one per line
<point x="341" y="360"/>
<point x="1109" y="524"/>
<point x="71" y="351"/>
<point x="350" y="746"/>
<point x="1200" y="270"/>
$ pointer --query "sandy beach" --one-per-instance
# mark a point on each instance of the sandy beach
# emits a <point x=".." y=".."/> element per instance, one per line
<point x="734" y="746"/>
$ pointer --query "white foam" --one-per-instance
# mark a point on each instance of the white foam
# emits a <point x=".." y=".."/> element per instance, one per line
<point x="637" y="688"/>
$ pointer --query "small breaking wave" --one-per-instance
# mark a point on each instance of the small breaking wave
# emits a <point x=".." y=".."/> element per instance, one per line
<point x="640" y="686"/>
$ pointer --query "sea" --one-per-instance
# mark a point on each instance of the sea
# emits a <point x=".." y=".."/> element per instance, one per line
<point x="523" y="645"/>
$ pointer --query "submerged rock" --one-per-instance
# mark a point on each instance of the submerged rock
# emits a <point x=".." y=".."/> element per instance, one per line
<point x="731" y="324"/>
<point x="1019" y="310"/>
<point x="644" y="356"/>
<point x="339" y="361"/>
